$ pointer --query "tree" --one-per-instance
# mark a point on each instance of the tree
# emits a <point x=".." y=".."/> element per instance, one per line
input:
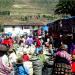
<point x="65" y="7"/>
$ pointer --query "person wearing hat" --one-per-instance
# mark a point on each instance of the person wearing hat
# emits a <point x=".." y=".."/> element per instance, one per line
<point x="12" y="56"/>
<point x="5" y="68"/>
<point x="62" y="63"/>
<point x="20" y="69"/>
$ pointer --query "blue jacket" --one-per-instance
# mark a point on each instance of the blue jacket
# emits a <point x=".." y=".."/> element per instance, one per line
<point x="22" y="70"/>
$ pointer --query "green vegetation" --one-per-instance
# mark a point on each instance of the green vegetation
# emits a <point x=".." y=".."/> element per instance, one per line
<point x="66" y="7"/>
<point x="5" y="13"/>
<point x="6" y="4"/>
<point x="37" y="6"/>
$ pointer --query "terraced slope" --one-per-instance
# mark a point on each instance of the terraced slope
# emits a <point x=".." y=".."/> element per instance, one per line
<point x="23" y="8"/>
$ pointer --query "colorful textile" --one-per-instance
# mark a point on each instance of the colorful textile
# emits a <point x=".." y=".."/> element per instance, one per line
<point x="62" y="69"/>
<point x="64" y="54"/>
<point x="4" y="70"/>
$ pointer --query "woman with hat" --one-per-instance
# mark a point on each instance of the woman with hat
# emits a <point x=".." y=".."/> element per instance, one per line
<point x="20" y="69"/>
<point x="5" y="68"/>
<point x="12" y="56"/>
<point x="62" y="65"/>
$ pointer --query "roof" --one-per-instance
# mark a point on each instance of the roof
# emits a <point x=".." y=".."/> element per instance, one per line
<point x="72" y="17"/>
<point x="64" y="19"/>
<point x="23" y="24"/>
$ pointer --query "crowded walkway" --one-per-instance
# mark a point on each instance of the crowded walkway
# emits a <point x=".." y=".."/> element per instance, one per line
<point x="36" y="55"/>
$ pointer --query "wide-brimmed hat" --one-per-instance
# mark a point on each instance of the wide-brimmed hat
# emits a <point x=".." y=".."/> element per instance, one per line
<point x="3" y="48"/>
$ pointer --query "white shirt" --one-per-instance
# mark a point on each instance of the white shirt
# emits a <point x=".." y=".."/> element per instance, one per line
<point x="5" y="60"/>
<point x="12" y="57"/>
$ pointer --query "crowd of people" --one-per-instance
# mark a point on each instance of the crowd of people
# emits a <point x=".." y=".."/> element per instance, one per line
<point x="35" y="55"/>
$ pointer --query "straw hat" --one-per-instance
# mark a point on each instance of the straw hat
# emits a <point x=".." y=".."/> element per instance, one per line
<point x="3" y="48"/>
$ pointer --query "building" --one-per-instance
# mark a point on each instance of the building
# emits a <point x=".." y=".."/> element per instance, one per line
<point x="18" y="29"/>
<point x="64" y="27"/>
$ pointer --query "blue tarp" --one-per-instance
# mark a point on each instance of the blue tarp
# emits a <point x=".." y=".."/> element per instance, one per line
<point x="45" y="28"/>
<point x="72" y="17"/>
<point x="9" y="34"/>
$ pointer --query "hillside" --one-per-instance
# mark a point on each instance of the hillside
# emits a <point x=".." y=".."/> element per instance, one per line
<point x="27" y="8"/>
<point x="46" y="6"/>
